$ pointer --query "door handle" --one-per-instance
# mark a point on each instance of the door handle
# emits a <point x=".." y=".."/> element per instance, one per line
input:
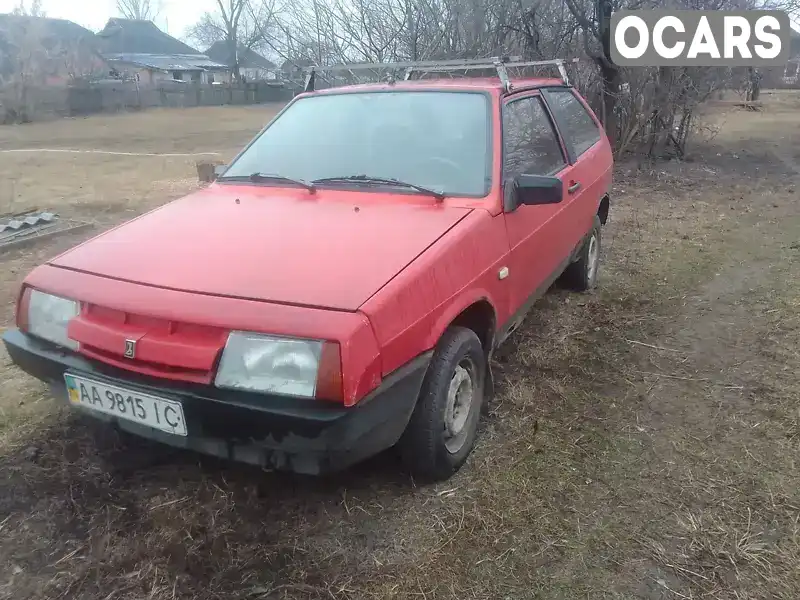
<point x="574" y="187"/>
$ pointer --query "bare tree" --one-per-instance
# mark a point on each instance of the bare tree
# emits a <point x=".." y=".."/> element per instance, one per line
<point x="241" y="24"/>
<point x="647" y="110"/>
<point x="27" y="65"/>
<point x="206" y="31"/>
<point x="142" y="10"/>
<point x="79" y="61"/>
<point x="230" y="16"/>
<point x="35" y="57"/>
<point x="34" y="9"/>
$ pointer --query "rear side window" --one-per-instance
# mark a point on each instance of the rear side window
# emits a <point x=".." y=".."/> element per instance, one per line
<point x="575" y="122"/>
<point x="530" y="144"/>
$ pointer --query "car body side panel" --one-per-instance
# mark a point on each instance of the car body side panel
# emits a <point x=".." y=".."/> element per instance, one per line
<point x="540" y="236"/>
<point x="543" y="237"/>
<point x="410" y="314"/>
<point x="360" y="352"/>
<point x="593" y="169"/>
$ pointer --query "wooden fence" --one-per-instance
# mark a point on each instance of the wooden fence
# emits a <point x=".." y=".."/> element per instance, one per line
<point x="36" y="104"/>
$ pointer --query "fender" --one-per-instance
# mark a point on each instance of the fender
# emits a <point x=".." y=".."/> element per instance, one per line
<point x="457" y="305"/>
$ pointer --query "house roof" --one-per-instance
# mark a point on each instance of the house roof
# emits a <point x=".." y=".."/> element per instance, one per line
<point x="141" y="43"/>
<point x="56" y="35"/>
<point x="130" y="36"/>
<point x="296" y="64"/>
<point x="53" y="31"/>
<point x="248" y="58"/>
<point x="166" y="62"/>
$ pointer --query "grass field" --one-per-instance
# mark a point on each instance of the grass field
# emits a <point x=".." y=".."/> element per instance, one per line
<point x="643" y="444"/>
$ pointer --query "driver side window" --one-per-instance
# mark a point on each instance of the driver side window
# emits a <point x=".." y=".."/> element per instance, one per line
<point x="530" y="144"/>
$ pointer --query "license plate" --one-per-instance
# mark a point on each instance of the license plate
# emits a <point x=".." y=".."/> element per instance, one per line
<point x="158" y="413"/>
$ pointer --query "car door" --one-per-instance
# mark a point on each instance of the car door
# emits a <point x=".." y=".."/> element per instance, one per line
<point x="536" y="238"/>
<point x="590" y="155"/>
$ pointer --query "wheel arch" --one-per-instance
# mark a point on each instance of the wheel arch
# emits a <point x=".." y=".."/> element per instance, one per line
<point x="475" y="312"/>
<point x="603" y="208"/>
<point x="478" y="313"/>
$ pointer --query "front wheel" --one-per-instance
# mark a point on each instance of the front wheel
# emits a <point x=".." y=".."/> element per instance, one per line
<point x="581" y="275"/>
<point x="443" y="427"/>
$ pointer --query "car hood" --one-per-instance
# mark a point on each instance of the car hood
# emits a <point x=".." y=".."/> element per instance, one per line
<point x="333" y="249"/>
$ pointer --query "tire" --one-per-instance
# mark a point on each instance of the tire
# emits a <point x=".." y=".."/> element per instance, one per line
<point x="443" y="427"/>
<point x="581" y="275"/>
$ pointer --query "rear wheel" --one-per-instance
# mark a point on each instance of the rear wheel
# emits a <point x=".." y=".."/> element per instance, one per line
<point x="581" y="275"/>
<point x="443" y="427"/>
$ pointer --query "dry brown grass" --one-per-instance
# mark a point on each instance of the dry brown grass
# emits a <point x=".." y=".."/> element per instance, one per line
<point x="96" y="185"/>
<point x="217" y="129"/>
<point x="643" y="443"/>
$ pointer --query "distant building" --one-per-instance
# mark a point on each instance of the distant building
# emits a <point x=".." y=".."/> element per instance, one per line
<point x="48" y="51"/>
<point x="136" y="48"/>
<point x="791" y="72"/>
<point x="252" y="66"/>
<point x="293" y="68"/>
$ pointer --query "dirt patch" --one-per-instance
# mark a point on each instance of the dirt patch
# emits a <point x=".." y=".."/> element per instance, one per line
<point x="643" y="443"/>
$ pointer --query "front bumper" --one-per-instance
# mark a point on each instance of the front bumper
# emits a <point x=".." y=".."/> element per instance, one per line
<point x="274" y="432"/>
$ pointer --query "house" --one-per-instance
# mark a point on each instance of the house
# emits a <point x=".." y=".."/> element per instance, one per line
<point x="137" y="48"/>
<point x="47" y="51"/>
<point x="791" y="72"/>
<point x="252" y="66"/>
<point x="293" y="68"/>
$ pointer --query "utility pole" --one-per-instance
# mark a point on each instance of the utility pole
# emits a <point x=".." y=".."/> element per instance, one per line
<point x="604" y="10"/>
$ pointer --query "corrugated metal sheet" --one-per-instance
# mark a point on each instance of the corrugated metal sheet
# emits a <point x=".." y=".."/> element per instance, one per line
<point x="19" y="229"/>
<point x="25" y="222"/>
<point x="248" y="59"/>
<point x="167" y="62"/>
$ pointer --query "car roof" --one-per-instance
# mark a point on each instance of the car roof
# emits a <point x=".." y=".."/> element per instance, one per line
<point x="483" y="84"/>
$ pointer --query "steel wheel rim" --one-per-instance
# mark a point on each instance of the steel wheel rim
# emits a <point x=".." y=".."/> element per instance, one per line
<point x="594" y="257"/>
<point x="461" y="396"/>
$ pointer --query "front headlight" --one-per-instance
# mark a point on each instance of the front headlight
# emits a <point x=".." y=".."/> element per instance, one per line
<point x="48" y="317"/>
<point x="264" y="363"/>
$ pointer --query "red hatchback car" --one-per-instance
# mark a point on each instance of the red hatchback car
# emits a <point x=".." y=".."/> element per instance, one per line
<point x="340" y="288"/>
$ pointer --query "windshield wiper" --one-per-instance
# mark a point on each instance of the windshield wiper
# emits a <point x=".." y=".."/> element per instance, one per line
<point x="380" y="181"/>
<point x="258" y="177"/>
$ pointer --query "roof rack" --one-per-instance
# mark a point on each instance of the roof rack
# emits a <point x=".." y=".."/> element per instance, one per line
<point x="500" y="64"/>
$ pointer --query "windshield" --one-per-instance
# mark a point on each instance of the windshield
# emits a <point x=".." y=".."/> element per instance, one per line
<point x="438" y="140"/>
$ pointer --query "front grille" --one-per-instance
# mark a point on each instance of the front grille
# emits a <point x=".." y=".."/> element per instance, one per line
<point x="148" y="368"/>
<point x="163" y="348"/>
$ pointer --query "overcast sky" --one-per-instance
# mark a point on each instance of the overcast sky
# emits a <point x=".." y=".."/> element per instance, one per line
<point x="175" y="16"/>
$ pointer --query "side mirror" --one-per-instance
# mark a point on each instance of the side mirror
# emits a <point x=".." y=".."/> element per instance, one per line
<point x="533" y="190"/>
<point x="207" y="172"/>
